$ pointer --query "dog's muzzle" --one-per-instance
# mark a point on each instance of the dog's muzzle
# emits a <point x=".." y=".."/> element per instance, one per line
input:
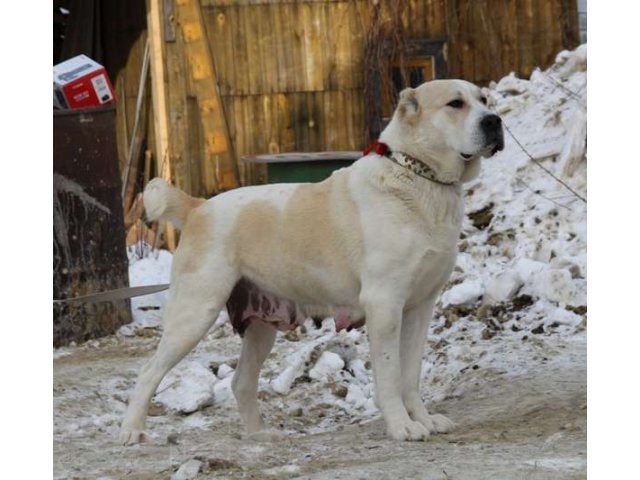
<point x="491" y="127"/>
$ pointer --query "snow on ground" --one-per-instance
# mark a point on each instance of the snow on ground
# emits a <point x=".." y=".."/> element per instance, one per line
<point x="515" y="302"/>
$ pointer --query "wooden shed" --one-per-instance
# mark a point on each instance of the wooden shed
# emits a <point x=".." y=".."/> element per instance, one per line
<point x="232" y="78"/>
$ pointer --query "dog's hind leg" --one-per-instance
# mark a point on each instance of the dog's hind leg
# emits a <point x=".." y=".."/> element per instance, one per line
<point x="256" y="345"/>
<point x="415" y="324"/>
<point x="196" y="298"/>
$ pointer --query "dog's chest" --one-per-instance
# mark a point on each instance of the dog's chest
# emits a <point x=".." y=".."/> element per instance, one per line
<point x="430" y="274"/>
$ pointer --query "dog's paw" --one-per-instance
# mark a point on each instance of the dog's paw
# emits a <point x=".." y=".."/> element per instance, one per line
<point x="440" y="424"/>
<point x="434" y="423"/>
<point x="132" y="436"/>
<point x="408" y="430"/>
<point x="266" y="435"/>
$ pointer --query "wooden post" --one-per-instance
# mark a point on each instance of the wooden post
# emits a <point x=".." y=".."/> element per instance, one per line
<point x="160" y="114"/>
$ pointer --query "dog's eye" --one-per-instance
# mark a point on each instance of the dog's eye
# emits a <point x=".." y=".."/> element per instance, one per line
<point x="483" y="100"/>
<point x="455" y="104"/>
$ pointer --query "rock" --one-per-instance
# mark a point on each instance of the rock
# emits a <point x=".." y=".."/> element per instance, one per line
<point x="292" y="336"/>
<point x="502" y="287"/>
<point x="328" y="364"/>
<point x="575" y="272"/>
<point x="187" y="388"/>
<point x="538" y="330"/>
<point x="340" y="391"/>
<point x="222" y="392"/>
<point x="488" y="334"/>
<point x="224" y="371"/>
<point x="464" y="293"/>
<point x="156" y="410"/>
<point x="482" y="218"/>
<point x="557" y="285"/>
<point x="217" y="464"/>
<point x="187" y="470"/>
<point x="522" y="301"/>
<point x="527" y="269"/>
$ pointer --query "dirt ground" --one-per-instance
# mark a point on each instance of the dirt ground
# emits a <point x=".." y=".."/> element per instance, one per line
<point x="525" y="426"/>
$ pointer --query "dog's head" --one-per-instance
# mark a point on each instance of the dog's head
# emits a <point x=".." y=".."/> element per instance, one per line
<point x="447" y="124"/>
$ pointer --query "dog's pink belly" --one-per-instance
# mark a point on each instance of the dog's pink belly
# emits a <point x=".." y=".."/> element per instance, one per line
<point x="248" y="303"/>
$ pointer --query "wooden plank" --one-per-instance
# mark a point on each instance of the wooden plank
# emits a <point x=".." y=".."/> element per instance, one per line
<point x="237" y="132"/>
<point x="301" y="121"/>
<point x="312" y="47"/>
<point x="285" y="125"/>
<point x="466" y="26"/>
<point x="356" y="42"/>
<point x="269" y="39"/>
<point x="220" y="169"/>
<point x="570" y="27"/>
<point x="158" y="90"/>
<point x="122" y="123"/>
<point x="436" y="18"/>
<point x="240" y="85"/>
<point x="137" y="137"/>
<point x="169" y="21"/>
<point x="548" y="45"/>
<point x="330" y="119"/>
<point x="221" y="46"/>
<point x="259" y="141"/>
<point x="482" y="41"/>
<point x="253" y="72"/>
<point x="299" y="71"/>
<point x="349" y="119"/>
<point x="454" y="48"/>
<point x="270" y="107"/>
<point x="314" y="122"/>
<point x="555" y="27"/>
<point x="510" y="53"/>
<point x="525" y="37"/>
<point x="328" y="55"/>
<point x="194" y="147"/>
<point x="496" y="55"/>
<point x="282" y="53"/>
<point x="160" y="112"/>
<point x="360" y="126"/>
<point x="341" y="100"/>
<point x="342" y="44"/>
<point x="177" y="95"/>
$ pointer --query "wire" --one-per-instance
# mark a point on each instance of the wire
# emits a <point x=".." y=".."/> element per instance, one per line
<point x="541" y="166"/>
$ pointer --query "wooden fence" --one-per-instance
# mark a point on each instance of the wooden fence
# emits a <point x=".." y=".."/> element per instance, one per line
<point x="290" y="74"/>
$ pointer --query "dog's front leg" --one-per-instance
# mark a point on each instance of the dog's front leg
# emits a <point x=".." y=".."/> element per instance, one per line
<point x="414" y="333"/>
<point x="384" y="319"/>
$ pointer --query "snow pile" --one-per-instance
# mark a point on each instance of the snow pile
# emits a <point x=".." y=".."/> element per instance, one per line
<point x="525" y="234"/>
<point x="518" y="285"/>
<point x="187" y="388"/>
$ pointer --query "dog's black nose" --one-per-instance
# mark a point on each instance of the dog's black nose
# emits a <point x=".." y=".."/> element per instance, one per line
<point x="490" y="123"/>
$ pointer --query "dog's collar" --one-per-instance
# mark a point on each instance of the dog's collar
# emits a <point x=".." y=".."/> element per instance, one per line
<point x="407" y="161"/>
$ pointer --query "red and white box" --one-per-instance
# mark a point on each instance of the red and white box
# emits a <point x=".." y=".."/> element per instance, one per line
<point x="80" y="83"/>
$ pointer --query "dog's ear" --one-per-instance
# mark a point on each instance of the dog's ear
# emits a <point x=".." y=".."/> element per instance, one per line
<point x="408" y="105"/>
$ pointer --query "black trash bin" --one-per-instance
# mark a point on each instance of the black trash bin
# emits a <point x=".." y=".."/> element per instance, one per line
<point x="89" y="251"/>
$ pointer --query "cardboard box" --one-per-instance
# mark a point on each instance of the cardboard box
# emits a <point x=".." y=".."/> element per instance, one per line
<point x="80" y="83"/>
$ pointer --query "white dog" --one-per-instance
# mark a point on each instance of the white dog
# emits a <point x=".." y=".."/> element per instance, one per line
<point x="375" y="241"/>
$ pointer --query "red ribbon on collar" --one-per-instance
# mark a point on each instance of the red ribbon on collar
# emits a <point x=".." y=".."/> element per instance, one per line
<point x="376" y="147"/>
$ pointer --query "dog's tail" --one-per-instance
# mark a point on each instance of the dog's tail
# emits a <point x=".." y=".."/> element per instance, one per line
<point x="165" y="202"/>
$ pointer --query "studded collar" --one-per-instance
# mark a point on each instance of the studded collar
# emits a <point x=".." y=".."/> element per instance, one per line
<point x="407" y="161"/>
